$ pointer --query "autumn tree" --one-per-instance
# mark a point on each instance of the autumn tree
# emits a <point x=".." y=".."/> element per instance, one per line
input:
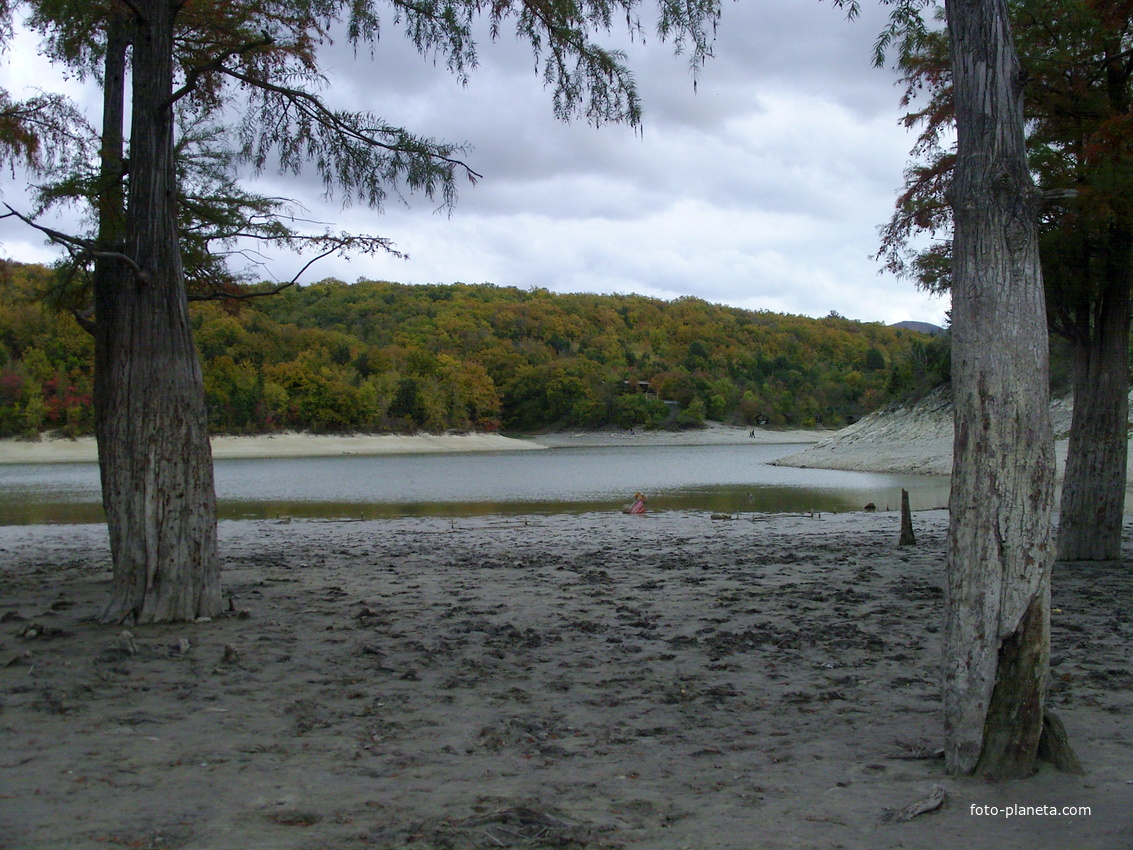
<point x="1077" y="95"/>
<point x="149" y="395"/>
<point x="336" y="356"/>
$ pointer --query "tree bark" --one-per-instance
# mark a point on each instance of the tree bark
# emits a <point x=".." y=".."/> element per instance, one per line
<point x="997" y="608"/>
<point x="111" y="203"/>
<point x="151" y="425"/>
<point x="1093" y="488"/>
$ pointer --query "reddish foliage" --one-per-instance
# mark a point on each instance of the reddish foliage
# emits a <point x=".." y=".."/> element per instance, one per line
<point x="11" y="385"/>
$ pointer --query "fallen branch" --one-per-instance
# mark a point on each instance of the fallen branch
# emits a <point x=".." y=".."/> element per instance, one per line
<point x="929" y="804"/>
<point x="916" y="751"/>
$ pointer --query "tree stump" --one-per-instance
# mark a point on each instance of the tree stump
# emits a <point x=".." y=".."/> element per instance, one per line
<point x="907" y="536"/>
<point x="1054" y="746"/>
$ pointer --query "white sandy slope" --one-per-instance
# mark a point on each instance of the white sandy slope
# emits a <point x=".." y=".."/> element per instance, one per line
<point x="914" y="439"/>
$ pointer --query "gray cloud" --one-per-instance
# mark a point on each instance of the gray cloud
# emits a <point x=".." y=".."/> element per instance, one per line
<point x="763" y="187"/>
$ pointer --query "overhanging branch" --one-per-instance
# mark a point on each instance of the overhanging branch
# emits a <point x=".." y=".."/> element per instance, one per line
<point x="222" y="295"/>
<point x="76" y="246"/>
<point x="307" y="101"/>
<point x="216" y="64"/>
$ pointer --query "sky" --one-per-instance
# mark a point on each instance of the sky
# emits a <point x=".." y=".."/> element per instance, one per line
<point x="760" y="187"/>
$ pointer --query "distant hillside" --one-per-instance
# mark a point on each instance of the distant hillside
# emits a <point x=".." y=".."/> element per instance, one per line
<point x="376" y="356"/>
<point x="920" y="327"/>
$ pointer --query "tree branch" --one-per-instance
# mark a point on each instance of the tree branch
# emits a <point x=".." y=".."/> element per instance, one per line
<point x="133" y="7"/>
<point x="1052" y="196"/>
<point x="216" y="64"/>
<point x="84" y="319"/>
<point x="221" y="295"/>
<point x="70" y="243"/>
<point x="330" y="119"/>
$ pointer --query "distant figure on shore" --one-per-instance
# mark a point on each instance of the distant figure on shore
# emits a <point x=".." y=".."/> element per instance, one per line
<point x="637" y="506"/>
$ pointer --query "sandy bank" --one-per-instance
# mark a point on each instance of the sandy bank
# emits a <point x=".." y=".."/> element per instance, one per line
<point x="915" y="439"/>
<point x="280" y="445"/>
<point x="291" y="444"/>
<point x="595" y="680"/>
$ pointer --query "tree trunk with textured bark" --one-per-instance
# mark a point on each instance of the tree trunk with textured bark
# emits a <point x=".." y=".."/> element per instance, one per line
<point x="1000" y="550"/>
<point x="1093" y="489"/>
<point x="151" y="424"/>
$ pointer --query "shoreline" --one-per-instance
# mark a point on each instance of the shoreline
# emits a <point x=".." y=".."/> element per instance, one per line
<point x="299" y="444"/>
<point x="282" y="445"/>
<point x="712" y="434"/>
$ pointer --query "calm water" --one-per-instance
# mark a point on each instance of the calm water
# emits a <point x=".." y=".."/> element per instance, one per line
<point x="734" y="478"/>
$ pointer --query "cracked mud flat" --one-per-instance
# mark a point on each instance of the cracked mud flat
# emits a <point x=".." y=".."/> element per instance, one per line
<point x="592" y="681"/>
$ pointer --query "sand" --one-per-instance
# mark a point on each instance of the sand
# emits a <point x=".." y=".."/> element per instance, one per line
<point x="287" y="444"/>
<point x="582" y="681"/>
<point x="916" y="439"/>
<point x="298" y="444"/>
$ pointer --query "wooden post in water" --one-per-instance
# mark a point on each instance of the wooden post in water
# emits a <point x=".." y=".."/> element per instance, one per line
<point x="907" y="536"/>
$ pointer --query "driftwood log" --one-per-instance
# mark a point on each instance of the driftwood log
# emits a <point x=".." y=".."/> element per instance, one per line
<point x="929" y="804"/>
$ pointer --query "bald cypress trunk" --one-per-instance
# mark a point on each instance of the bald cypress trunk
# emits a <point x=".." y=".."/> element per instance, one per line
<point x="1093" y="488"/>
<point x="151" y="425"/>
<point x="996" y="642"/>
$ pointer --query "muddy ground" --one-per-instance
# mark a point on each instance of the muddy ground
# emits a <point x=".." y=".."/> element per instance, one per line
<point x="597" y="681"/>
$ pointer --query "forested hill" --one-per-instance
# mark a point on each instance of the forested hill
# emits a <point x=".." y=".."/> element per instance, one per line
<point x="373" y="356"/>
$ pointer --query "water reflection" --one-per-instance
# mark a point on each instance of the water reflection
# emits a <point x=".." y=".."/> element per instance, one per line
<point x="721" y="479"/>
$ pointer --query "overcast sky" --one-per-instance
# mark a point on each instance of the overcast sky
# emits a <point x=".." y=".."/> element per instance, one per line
<point x="762" y="188"/>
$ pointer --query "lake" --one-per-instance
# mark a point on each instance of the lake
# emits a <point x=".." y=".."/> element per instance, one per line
<point x="722" y="478"/>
